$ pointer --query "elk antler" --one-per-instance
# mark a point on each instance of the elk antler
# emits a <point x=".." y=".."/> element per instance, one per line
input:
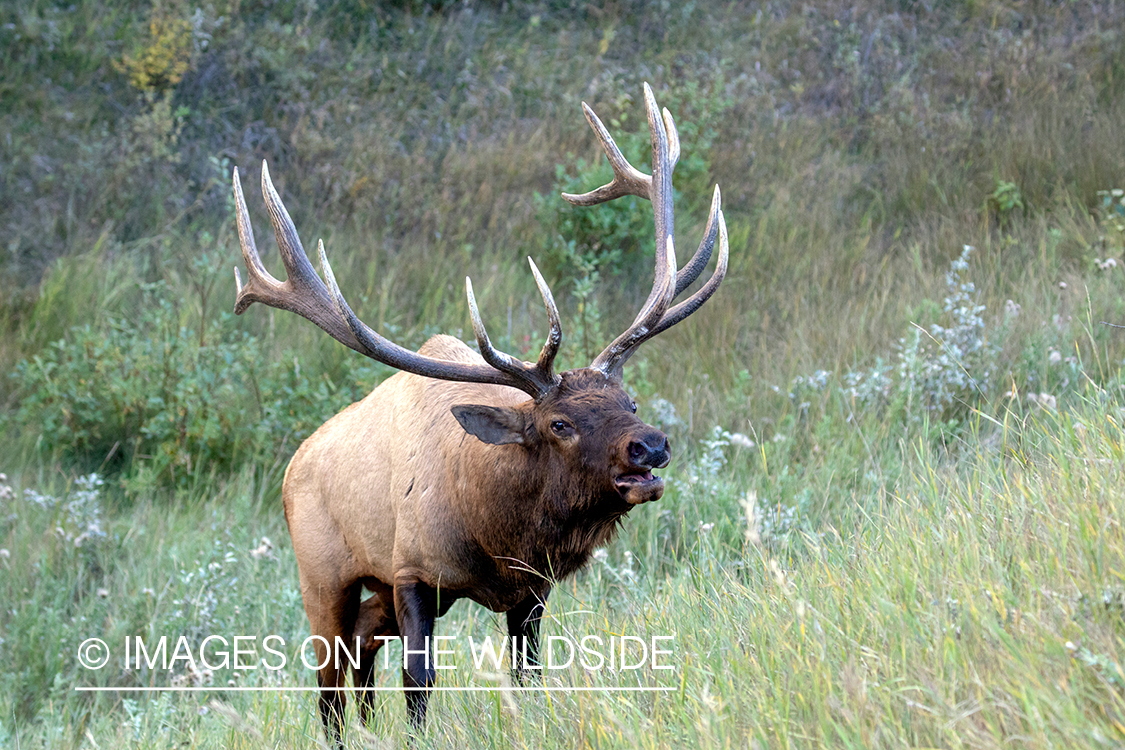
<point x="305" y="294"/>
<point x="655" y="315"/>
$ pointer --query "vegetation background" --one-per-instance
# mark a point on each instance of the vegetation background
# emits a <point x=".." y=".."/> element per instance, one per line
<point x="894" y="515"/>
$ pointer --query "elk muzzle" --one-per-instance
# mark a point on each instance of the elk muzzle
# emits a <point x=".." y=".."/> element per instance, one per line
<point x="645" y="452"/>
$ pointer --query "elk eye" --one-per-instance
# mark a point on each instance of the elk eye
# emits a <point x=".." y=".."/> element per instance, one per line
<point x="560" y="427"/>
<point x="633" y="406"/>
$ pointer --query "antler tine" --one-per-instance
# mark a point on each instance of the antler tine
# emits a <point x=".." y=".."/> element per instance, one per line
<point x="323" y="303"/>
<point x="660" y="194"/>
<point x="623" y="346"/>
<point x="492" y="356"/>
<point x="627" y="180"/>
<point x="297" y="264"/>
<point x="688" y="306"/>
<point x="673" y="138"/>
<point x="256" y="275"/>
<point x="695" y="301"/>
<point x="554" y="334"/>
<point x="538" y="378"/>
<point x="690" y="272"/>
<point x="302" y="292"/>
<point x="254" y="266"/>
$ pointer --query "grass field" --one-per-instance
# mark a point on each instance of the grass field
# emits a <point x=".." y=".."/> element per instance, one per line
<point x="894" y="512"/>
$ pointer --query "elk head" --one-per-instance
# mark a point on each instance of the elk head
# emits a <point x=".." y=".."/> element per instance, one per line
<point x="589" y="423"/>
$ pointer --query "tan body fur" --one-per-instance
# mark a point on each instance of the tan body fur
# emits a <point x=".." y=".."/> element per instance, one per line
<point x="396" y="472"/>
<point x="393" y="495"/>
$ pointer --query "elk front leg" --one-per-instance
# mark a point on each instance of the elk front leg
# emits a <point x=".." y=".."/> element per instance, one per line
<point x="523" y="627"/>
<point x="416" y="608"/>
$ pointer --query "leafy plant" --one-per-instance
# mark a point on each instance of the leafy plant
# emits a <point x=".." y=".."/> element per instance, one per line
<point x="1111" y="217"/>
<point x="1004" y="201"/>
<point x="611" y="237"/>
<point x="584" y="240"/>
<point x="162" y="59"/>
<point x="938" y="369"/>
<point x="153" y="399"/>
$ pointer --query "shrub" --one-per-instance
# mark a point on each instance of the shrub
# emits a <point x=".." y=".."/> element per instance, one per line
<point x="161" y="60"/>
<point x="140" y="392"/>
<point x="1005" y="200"/>
<point x="940" y="369"/>
<point x="155" y="400"/>
<point x="1111" y="218"/>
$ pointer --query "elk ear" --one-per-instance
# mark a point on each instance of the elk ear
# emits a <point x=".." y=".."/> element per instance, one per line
<point x="491" y="424"/>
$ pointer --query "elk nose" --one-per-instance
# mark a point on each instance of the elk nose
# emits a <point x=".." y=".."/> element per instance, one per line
<point x="651" y="450"/>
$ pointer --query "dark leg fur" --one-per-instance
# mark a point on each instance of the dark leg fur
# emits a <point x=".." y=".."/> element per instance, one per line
<point x="523" y="625"/>
<point x="375" y="620"/>
<point x="416" y="607"/>
<point x="331" y="614"/>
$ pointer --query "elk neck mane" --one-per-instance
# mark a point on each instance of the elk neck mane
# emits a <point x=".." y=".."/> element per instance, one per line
<point x="572" y="520"/>
<point x="552" y="517"/>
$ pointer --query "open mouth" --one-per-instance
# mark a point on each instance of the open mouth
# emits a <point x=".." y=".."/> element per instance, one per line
<point x="638" y="485"/>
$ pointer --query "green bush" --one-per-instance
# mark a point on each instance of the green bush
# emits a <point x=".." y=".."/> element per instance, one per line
<point x="165" y="406"/>
<point x="140" y="391"/>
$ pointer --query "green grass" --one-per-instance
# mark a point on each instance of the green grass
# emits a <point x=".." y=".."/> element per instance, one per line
<point x="938" y="555"/>
<point x="972" y="605"/>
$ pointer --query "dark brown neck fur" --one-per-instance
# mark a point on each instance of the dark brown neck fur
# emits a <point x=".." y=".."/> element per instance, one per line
<point x="551" y="527"/>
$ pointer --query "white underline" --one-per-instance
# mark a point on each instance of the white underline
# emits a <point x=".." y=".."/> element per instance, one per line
<point x="280" y="689"/>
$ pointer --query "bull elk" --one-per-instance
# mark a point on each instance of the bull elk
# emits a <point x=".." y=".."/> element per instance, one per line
<point x="468" y="475"/>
